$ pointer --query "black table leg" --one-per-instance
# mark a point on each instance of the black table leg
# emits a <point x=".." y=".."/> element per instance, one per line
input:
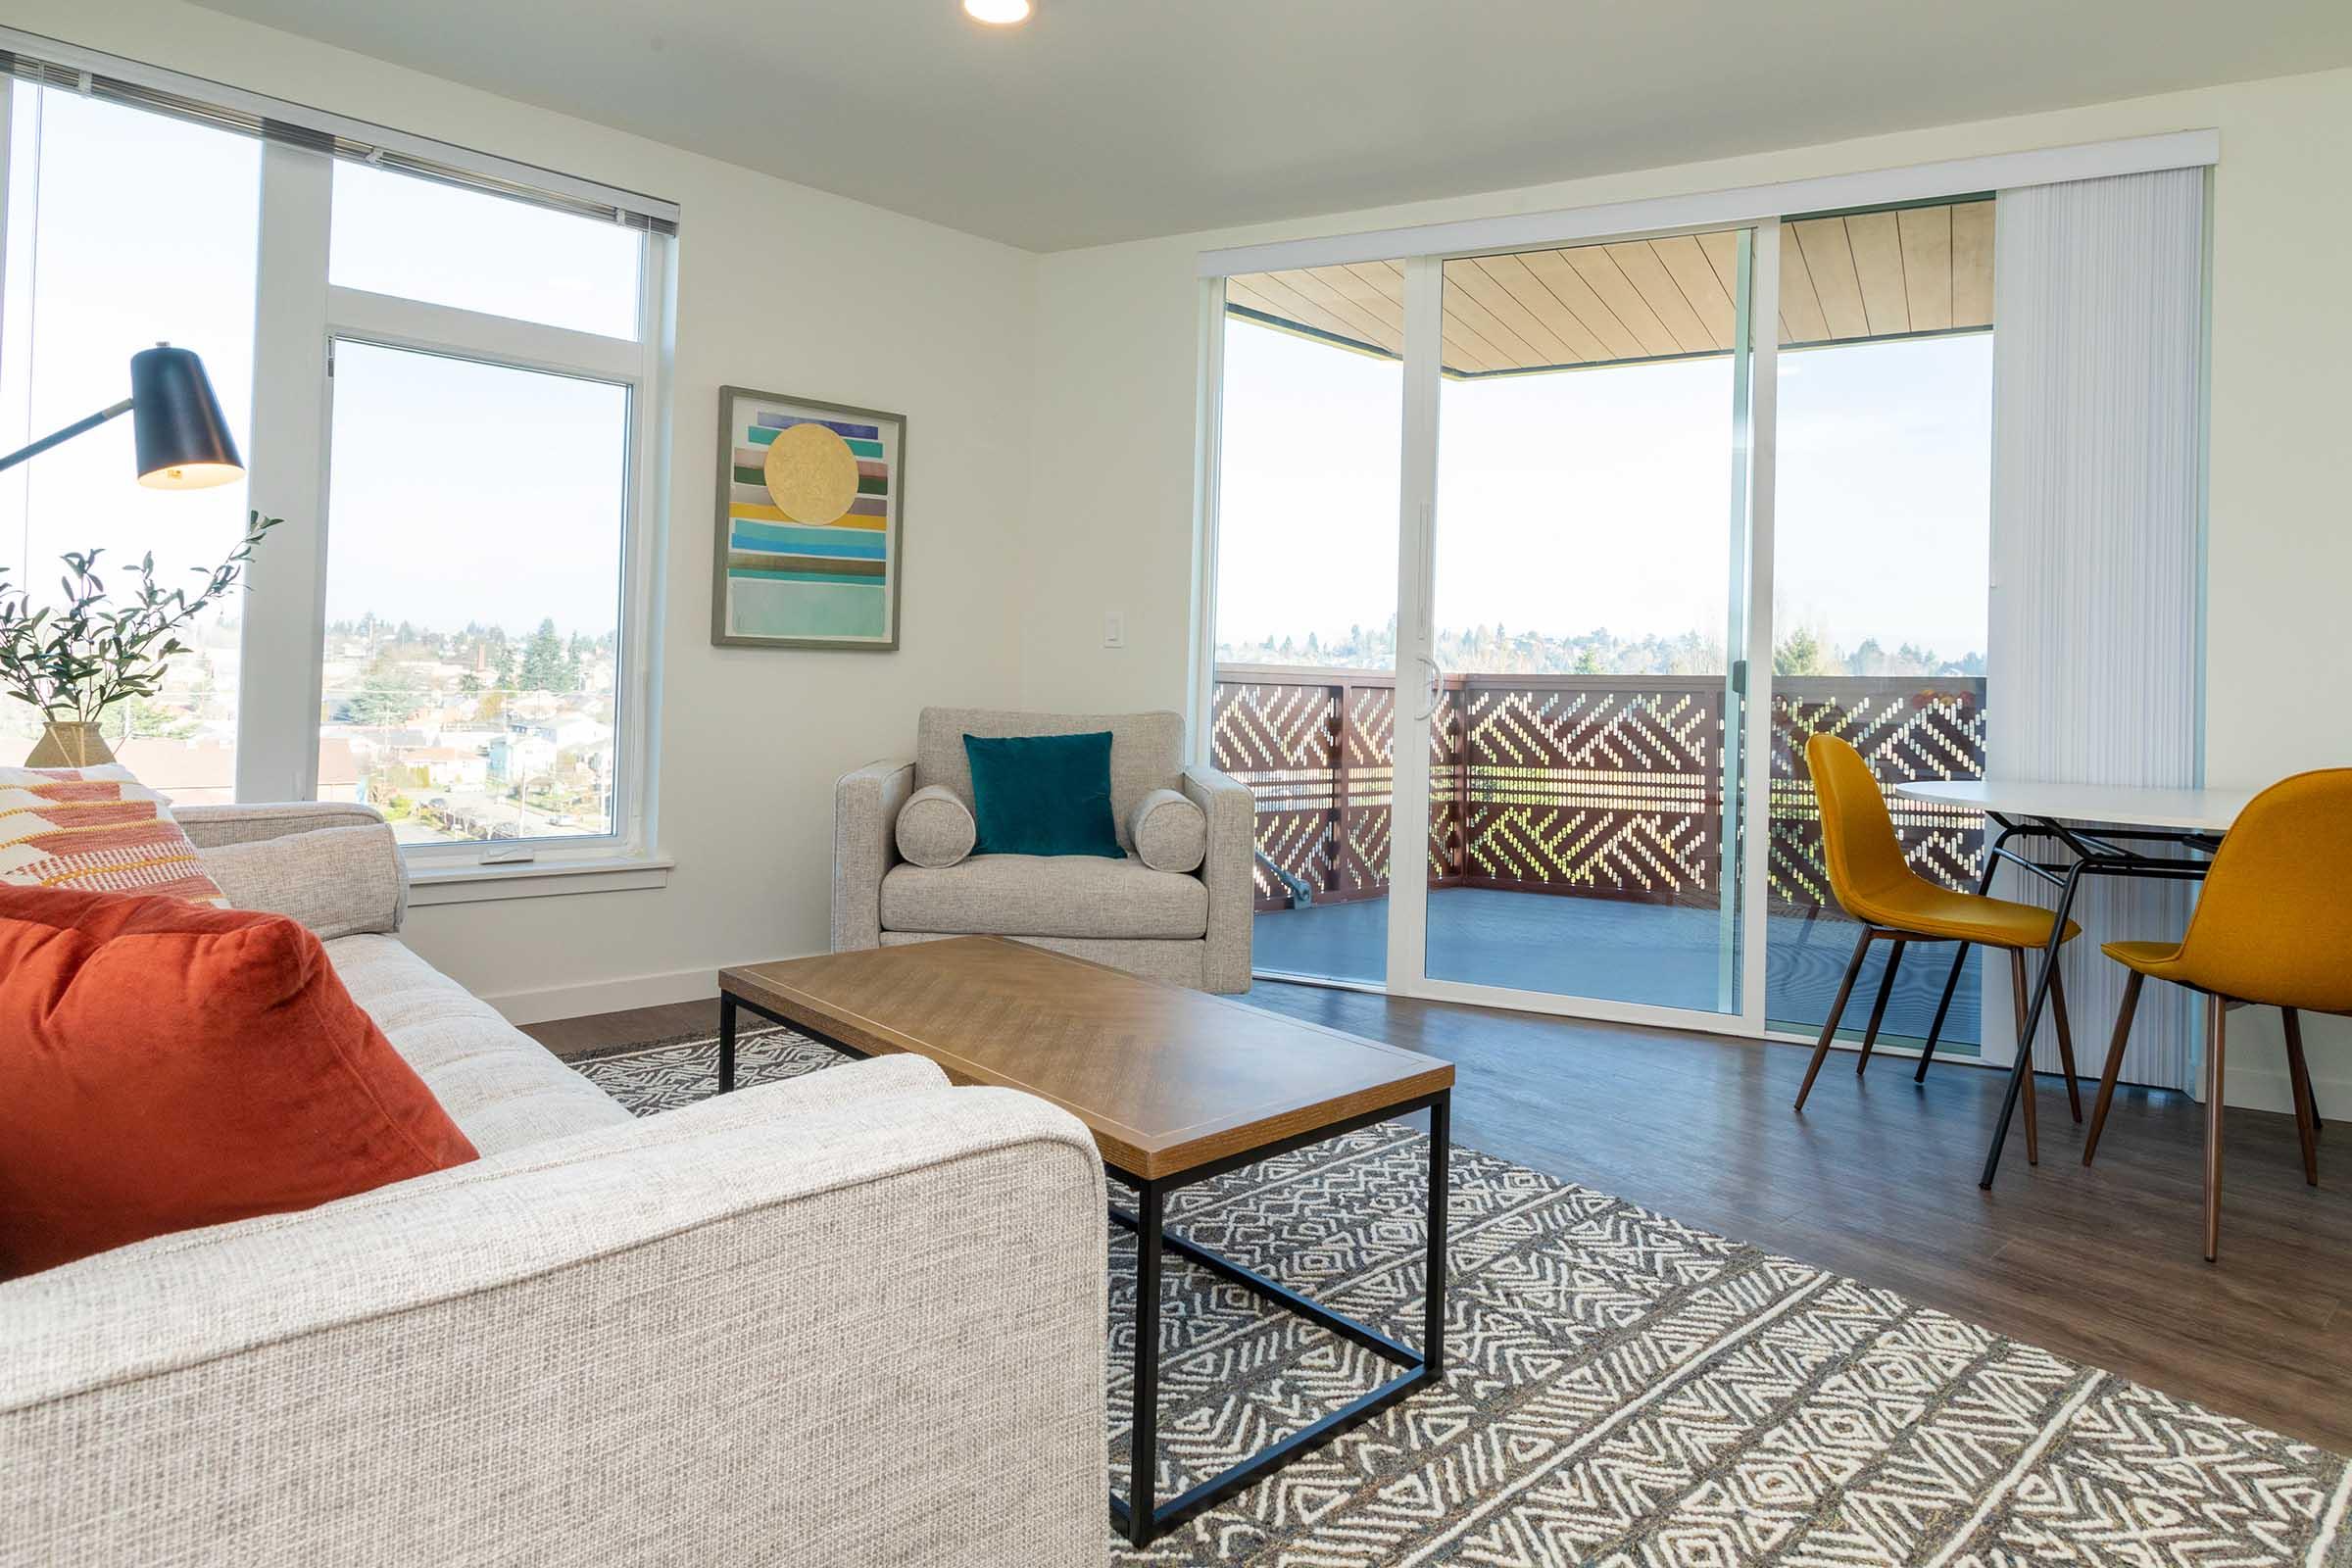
<point x="726" y="1042"/>
<point x="1432" y="1308"/>
<point x="2020" y="1071"/>
<point x="1143" y="1434"/>
<point x="1951" y="981"/>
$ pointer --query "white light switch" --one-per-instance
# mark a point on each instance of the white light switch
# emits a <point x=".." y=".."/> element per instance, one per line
<point x="1115" y="628"/>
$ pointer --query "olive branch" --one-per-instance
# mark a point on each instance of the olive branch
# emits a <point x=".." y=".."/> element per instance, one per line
<point x="75" y="660"/>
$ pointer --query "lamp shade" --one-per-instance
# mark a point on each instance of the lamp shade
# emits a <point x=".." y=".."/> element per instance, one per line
<point x="184" y="443"/>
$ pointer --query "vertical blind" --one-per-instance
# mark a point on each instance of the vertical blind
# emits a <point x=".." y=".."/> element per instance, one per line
<point x="2097" y="480"/>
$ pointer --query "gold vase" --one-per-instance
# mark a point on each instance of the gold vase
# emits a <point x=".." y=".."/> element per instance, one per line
<point x="69" y="746"/>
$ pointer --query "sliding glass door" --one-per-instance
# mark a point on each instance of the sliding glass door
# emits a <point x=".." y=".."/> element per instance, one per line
<point x="1585" y="623"/>
<point x="1536" y="567"/>
<point x="1882" y="537"/>
<point x="1304" y="696"/>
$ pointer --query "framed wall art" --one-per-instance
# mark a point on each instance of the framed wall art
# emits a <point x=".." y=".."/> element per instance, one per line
<point x="812" y="515"/>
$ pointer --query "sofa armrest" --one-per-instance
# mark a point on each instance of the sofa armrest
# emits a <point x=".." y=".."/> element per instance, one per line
<point x="339" y="881"/>
<point x="865" y="846"/>
<point x="752" y="1330"/>
<point x="212" y="827"/>
<point x="1228" y="869"/>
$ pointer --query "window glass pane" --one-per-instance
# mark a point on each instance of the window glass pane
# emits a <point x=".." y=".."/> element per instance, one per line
<point x="1306" y="608"/>
<point x="473" y="591"/>
<point x="88" y="286"/>
<point x="1881" y="581"/>
<point x="1586" y="839"/>
<point x="424" y="240"/>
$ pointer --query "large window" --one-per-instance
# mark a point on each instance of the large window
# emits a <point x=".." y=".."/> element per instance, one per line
<point x="473" y="601"/>
<point x="444" y="391"/>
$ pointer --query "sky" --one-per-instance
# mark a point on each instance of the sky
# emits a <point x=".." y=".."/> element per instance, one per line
<point x="459" y="492"/>
<point x="1580" y="501"/>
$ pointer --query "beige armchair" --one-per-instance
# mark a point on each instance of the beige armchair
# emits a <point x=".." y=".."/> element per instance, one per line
<point x="1187" y="927"/>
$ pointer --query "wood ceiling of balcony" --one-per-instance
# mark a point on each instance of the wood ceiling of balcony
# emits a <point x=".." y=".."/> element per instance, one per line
<point x="1844" y="280"/>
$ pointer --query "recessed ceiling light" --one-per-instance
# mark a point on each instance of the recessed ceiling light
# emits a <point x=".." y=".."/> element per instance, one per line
<point x="997" y="13"/>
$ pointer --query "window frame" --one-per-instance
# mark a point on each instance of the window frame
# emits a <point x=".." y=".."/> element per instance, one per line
<point x="288" y="455"/>
<point x="343" y="314"/>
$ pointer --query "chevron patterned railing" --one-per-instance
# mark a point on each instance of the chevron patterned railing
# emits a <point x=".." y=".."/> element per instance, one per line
<point x="1599" y="786"/>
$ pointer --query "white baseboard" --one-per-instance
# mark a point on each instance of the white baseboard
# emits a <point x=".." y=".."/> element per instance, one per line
<point x="2268" y="1089"/>
<point x="586" y="999"/>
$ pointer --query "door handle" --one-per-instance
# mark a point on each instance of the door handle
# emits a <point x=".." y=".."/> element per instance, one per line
<point x="1435" y="676"/>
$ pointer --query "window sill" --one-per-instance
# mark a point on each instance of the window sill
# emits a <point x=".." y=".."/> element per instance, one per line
<point x="470" y="882"/>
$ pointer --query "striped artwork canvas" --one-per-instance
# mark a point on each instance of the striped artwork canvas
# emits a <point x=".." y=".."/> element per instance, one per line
<point x="810" y="511"/>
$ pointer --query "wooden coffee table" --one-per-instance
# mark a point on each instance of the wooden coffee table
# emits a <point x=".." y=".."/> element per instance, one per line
<point x="1177" y="1087"/>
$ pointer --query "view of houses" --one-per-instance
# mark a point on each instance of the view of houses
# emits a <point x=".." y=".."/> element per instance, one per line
<point x="1496" y="650"/>
<point x="489" y="732"/>
<point x="484" y="733"/>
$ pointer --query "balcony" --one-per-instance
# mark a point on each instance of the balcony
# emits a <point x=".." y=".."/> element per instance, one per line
<point x="1576" y="822"/>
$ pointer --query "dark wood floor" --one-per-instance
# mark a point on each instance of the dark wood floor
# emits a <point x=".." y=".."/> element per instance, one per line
<point x="1878" y="1180"/>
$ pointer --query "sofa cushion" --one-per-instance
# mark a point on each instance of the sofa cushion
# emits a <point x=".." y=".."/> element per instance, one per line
<point x="934" y="829"/>
<point x="502" y="1087"/>
<point x="339" y="881"/>
<point x="1046" y="896"/>
<point x="95" y="831"/>
<point x="1170" y="832"/>
<point x="1147" y="750"/>
<point x="1044" y="794"/>
<point x="164" y="1065"/>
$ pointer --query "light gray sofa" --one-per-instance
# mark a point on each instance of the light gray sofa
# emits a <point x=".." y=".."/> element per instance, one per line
<point x="852" y="1318"/>
<point x="1187" y="928"/>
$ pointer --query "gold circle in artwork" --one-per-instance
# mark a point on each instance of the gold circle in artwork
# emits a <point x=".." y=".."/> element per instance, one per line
<point x="811" y="473"/>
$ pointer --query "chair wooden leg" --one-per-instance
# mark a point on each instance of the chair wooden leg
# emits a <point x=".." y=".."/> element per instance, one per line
<point x="2133" y="981"/>
<point x="2216" y="1039"/>
<point x="2032" y="1092"/>
<point x="1878" y="1006"/>
<point x="2307" y="1117"/>
<point x="1828" y="1029"/>
<point x="2066" y="1042"/>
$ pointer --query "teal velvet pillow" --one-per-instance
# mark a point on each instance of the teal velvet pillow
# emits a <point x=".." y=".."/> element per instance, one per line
<point x="1043" y="795"/>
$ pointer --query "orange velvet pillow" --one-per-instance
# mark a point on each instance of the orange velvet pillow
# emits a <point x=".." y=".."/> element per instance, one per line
<point x="164" y="1065"/>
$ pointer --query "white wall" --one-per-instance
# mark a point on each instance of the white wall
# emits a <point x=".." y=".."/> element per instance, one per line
<point x="778" y="286"/>
<point x="1118" y="343"/>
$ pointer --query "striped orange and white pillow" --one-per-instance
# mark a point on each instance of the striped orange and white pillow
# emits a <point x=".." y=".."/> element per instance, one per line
<point x="97" y="830"/>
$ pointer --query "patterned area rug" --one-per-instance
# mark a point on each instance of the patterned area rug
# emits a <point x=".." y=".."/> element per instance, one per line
<point x="1627" y="1389"/>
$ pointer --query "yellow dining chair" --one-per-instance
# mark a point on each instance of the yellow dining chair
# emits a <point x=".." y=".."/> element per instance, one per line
<point x="2273" y="927"/>
<point x="1876" y="886"/>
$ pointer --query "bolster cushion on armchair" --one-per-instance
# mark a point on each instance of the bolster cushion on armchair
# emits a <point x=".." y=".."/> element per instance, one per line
<point x="1170" y="832"/>
<point x="934" y="829"/>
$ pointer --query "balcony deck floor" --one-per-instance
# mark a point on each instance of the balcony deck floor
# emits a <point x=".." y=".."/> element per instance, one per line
<point x="1660" y="954"/>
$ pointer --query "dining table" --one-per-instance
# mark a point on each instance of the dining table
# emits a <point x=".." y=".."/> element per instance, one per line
<point x="2062" y="834"/>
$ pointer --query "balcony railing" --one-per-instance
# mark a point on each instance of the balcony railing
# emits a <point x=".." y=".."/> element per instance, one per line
<point x="1592" y="786"/>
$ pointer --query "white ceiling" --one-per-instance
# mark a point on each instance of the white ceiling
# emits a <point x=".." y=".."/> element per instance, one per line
<point x="1104" y="119"/>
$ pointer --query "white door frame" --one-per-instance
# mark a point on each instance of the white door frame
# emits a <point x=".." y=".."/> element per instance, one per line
<point x="1749" y="518"/>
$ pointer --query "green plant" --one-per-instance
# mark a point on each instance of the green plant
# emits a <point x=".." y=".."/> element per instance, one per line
<point x="76" y="660"/>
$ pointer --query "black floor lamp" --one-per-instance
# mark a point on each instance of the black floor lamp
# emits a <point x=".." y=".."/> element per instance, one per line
<point x="184" y="443"/>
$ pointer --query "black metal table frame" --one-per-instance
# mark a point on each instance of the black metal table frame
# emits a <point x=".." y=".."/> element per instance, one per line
<point x="1140" y="1516"/>
<point x="2100" y="852"/>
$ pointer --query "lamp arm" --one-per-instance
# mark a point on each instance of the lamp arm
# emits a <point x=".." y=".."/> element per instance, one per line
<point x="66" y="435"/>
